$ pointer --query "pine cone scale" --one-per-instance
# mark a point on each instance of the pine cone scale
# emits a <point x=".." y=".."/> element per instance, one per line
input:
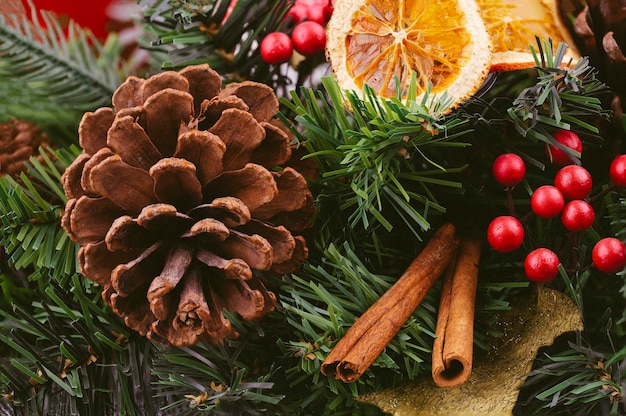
<point x="176" y="183"/>
<point x="253" y="185"/>
<point x="230" y="269"/>
<point x="92" y="129"/>
<point x="165" y="112"/>
<point x="127" y="278"/>
<point x="205" y="150"/>
<point x="241" y="134"/>
<point x="129" y="140"/>
<point x="90" y="218"/>
<point x="253" y="249"/>
<point x="128" y="187"/>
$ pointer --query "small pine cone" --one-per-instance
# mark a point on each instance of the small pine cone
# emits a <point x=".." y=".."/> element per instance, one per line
<point x="601" y="26"/>
<point x="19" y="140"/>
<point x="177" y="202"/>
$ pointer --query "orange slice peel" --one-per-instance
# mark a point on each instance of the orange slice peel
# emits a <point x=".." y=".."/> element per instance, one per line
<point x="381" y="42"/>
<point x="514" y="26"/>
<point x="448" y="46"/>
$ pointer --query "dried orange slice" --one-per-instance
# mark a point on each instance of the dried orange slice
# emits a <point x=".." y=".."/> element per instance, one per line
<point x="513" y="25"/>
<point x="375" y="42"/>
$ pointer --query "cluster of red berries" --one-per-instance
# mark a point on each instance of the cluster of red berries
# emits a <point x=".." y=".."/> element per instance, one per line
<point x="568" y="197"/>
<point x="308" y="37"/>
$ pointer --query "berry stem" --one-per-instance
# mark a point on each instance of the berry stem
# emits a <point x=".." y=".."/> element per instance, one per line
<point x="509" y="201"/>
<point x="602" y="193"/>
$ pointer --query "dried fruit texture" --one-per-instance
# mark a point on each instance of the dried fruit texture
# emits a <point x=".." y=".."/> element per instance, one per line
<point x="513" y="26"/>
<point x="177" y="203"/>
<point x="375" y="42"/>
<point x="601" y="25"/>
<point x="19" y="140"/>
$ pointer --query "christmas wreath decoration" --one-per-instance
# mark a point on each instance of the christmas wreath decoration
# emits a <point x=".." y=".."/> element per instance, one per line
<point x="291" y="207"/>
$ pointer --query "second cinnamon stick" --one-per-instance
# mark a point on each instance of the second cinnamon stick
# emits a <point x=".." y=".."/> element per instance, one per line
<point x="453" y="346"/>
<point x="371" y="333"/>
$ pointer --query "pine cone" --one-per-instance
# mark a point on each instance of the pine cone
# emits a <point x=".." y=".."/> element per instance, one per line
<point x="19" y="140"/>
<point x="177" y="203"/>
<point x="601" y="26"/>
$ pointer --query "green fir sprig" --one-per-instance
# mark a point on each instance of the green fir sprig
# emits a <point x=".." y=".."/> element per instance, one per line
<point x="191" y="32"/>
<point x="54" y="75"/>
<point x="565" y="96"/>
<point x="380" y="160"/>
<point x="30" y="213"/>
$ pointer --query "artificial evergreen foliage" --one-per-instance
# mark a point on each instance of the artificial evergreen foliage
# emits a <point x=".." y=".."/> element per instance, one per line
<point x="389" y="171"/>
<point x="52" y="76"/>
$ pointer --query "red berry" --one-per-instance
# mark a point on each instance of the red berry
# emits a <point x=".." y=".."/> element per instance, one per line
<point x="505" y="234"/>
<point x="509" y="169"/>
<point x="547" y="201"/>
<point x="609" y="255"/>
<point x="276" y="48"/>
<point x="574" y="181"/>
<point x="298" y="12"/>
<point x="568" y="139"/>
<point x="617" y="171"/>
<point x="309" y="38"/>
<point x="578" y="215"/>
<point x="316" y="14"/>
<point x="541" y="265"/>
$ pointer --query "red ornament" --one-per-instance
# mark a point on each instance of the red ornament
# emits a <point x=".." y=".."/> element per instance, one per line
<point x="568" y="139"/>
<point x="574" y="181"/>
<point x="309" y="38"/>
<point x="578" y="215"/>
<point x="617" y="171"/>
<point x="92" y="14"/>
<point x="609" y="255"/>
<point x="509" y="169"/>
<point x="547" y="201"/>
<point x="276" y="48"/>
<point x="505" y="234"/>
<point x="541" y="265"/>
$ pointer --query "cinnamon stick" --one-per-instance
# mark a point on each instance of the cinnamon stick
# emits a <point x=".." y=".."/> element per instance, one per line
<point x="371" y="333"/>
<point x="453" y="346"/>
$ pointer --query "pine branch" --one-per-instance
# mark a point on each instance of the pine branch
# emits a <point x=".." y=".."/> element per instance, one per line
<point x="53" y="72"/>
<point x="563" y="97"/>
<point x="379" y="159"/>
<point x="192" y="32"/>
<point x="216" y="380"/>
<point x="30" y="211"/>
<point x="69" y="342"/>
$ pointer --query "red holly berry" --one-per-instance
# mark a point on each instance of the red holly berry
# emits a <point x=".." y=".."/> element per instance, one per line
<point x="505" y="233"/>
<point x="609" y="255"/>
<point x="316" y="14"/>
<point x="276" y="48"/>
<point x="309" y="38"/>
<point x="617" y="171"/>
<point x="547" y="201"/>
<point x="578" y="215"/>
<point x="573" y="181"/>
<point x="298" y="12"/>
<point x="509" y="169"/>
<point x="568" y="139"/>
<point x="541" y="265"/>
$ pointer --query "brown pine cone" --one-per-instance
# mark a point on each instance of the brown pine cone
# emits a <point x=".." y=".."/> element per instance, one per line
<point x="177" y="203"/>
<point x="601" y="26"/>
<point x="19" y="140"/>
